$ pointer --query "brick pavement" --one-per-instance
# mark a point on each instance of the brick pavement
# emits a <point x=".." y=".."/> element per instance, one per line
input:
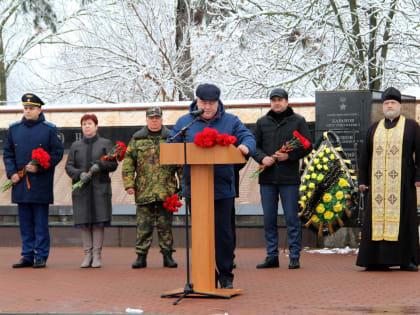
<point x="326" y="284"/>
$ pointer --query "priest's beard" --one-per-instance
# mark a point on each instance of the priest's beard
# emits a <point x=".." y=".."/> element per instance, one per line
<point x="392" y="114"/>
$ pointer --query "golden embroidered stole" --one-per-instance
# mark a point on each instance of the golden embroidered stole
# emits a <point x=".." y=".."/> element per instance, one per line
<point x="386" y="181"/>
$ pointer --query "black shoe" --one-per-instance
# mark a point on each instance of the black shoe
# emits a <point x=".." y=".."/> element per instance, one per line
<point x="226" y="284"/>
<point x="269" y="262"/>
<point x="377" y="268"/>
<point x="168" y="261"/>
<point x="40" y="263"/>
<point x="23" y="263"/>
<point x="294" y="263"/>
<point x="410" y="267"/>
<point x="233" y="266"/>
<point x="140" y="262"/>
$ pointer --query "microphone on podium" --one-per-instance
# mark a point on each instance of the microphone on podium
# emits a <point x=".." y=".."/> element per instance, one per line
<point x="197" y="112"/>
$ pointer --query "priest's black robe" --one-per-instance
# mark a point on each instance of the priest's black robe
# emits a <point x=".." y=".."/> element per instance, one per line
<point x="406" y="249"/>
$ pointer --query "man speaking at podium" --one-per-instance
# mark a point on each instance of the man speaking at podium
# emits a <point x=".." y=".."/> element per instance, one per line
<point x="213" y="115"/>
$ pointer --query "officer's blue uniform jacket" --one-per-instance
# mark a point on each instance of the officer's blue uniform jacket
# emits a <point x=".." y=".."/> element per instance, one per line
<point x="224" y="180"/>
<point x="22" y="138"/>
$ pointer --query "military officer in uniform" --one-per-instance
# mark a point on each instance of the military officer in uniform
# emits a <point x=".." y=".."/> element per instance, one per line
<point x="34" y="191"/>
<point x="150" y="183"/>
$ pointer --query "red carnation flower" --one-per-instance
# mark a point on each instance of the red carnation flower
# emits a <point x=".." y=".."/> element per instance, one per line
<point x="172" y="203"/>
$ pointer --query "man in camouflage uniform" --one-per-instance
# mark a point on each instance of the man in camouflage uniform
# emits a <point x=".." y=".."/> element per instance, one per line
<point x="151" y="183"/>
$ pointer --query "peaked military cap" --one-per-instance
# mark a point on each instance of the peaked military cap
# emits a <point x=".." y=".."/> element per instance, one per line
<point x="391" y="93"/>
<point x="30" y="99"/>
<point x="208" y="92"/>
<point x="154" y="111"/>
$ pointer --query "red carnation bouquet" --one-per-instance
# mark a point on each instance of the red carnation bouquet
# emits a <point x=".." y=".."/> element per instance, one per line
<point x="210" y="137"/>
<point x="298" y="141"/>
<point x="39" y="157"/>
<point x="117" y="153"/>
<point x="172" y="203"/>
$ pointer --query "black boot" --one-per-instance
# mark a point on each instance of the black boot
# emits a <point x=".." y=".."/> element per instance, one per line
<point x="269" y="262"/>
<point x="23" y="263"/>
<point x="168" y="261"/>
<point x="294" y="263"/>
<point x="226" y="284"/>
<point x="40" y="263"/>
<point x="140" y="262"/>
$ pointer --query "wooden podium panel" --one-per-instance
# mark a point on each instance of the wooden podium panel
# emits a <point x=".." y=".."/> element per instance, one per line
<point x="173" y="153"/>
<point x="201" y="161"/>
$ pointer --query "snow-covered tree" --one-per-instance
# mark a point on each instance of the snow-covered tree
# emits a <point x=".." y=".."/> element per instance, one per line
<point x="142" y="50"/>
<point x="125" y="51"/>
<point x="24" y="26"/>
<point x="321" y="44"/>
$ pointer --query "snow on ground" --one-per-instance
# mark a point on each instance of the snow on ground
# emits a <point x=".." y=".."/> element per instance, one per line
<point x="342" y="251"/>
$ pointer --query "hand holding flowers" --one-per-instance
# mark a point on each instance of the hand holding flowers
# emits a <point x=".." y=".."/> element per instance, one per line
<point x="39" y="157"/>
<point x="116" y="153"/>
<point x="172" y="203"/>
<point x="298" y="141"/>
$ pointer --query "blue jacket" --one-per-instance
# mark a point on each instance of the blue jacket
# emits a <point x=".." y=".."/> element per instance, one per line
<point x="22" y="138"/>
<point x="224" y="180"/>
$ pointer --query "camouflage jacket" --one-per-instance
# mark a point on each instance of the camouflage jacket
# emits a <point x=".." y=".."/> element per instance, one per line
<point x="141" y="169"/>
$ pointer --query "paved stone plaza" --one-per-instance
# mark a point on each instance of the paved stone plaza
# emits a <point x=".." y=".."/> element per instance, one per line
<point x="326" y="284"/>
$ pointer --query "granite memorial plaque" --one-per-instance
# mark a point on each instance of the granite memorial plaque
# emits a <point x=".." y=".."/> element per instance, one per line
<point x="350" y="113"/>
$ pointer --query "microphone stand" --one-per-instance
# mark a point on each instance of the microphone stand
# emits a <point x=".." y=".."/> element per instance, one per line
<point x="188" y="288"/>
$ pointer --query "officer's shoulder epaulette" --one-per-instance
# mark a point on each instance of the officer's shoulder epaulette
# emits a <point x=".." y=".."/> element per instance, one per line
<point x="49" y="124"/>
<point x="15" y="123"/>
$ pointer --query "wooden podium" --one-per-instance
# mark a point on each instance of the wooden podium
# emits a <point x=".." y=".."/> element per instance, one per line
<point x="201" y="161"/>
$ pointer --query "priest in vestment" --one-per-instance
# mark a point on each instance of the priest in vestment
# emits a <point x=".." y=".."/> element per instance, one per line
<point x="389" y="172"/>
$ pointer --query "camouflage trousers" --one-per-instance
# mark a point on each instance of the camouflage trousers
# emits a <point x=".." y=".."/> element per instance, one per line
<point x="148" y="216"/>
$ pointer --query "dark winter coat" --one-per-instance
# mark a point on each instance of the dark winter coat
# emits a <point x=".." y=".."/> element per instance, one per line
<point x="23" y="137"/>
<point x="92" y="202"/>
<point x="224" y="180"/>
<point x="271" y="135"/>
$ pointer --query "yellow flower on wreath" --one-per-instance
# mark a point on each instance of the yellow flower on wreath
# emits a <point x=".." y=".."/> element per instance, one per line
<point x="315" y="218"/>
<point x="327" y="197"/>
<point x="320" y="177"/>
<point x="316" y="161"/>
<point x="309" y="194"/>
<point x="343" y="183"/>
<point x="326" y="167"/>
<point x="311" y="168"/>
<point x="301" y="203"/>
<point x="321" y="154"/>
<point x="327" y="150"/>
<point x="339" y="195"/>
<point x="332" y="156"/>
<point x="328" y="215"/>
<point x="320" y="208"/>
<point x="314" y="175"/>
<point x="302" y="188"/>
<point x="303" y="198"/>
<point x="307" y="176"/>
<point x="319" y="166"/>
<point x="325" y="159"/>
<point x="311" y="185"/>
<point x="338" y="207"/>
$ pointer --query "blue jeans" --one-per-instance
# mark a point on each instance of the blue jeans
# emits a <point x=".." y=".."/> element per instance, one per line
<point x="33" y="222"/>
<point x="270" y="200"/>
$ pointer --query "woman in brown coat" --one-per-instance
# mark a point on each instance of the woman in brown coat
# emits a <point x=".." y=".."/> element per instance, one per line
<point x="92" y="207"/>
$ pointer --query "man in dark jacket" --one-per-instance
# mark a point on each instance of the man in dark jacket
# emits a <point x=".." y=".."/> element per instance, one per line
<point x="215" y="117"/>
<point x="32" y="192"/>
<point x="281" y="176"/>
